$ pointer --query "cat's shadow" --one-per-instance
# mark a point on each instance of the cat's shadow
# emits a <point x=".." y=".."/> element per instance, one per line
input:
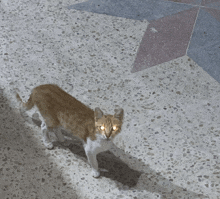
<point x="113" y="166"/>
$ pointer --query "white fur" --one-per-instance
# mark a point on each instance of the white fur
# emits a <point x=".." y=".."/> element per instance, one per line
<point x="92" y="148"/>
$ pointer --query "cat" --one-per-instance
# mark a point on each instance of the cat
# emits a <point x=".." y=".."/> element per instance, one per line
<point x="59" y="109"/>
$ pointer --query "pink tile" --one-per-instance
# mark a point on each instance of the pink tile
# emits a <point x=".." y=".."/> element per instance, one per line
<point x="165" y="39"/>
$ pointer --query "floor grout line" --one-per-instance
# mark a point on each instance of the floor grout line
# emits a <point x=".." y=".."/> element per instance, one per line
<point x="192" y="30"/>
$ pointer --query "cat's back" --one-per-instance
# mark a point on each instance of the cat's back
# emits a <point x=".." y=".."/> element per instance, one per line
<point x="51" y="92"/>
<point x="53" y="95"/>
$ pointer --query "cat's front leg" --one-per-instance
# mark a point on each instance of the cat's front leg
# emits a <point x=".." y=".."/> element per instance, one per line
<point x="93" y="162"/>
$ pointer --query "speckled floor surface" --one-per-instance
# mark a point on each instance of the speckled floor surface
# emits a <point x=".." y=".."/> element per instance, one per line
<point x="170" y="142"/>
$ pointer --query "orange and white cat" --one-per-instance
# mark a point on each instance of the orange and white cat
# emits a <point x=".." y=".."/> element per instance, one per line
<point x="59" y="109"/>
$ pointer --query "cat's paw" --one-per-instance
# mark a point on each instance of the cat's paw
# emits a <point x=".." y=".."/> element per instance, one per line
<point x="95" y="173"/>
<point x="48" y="145"/>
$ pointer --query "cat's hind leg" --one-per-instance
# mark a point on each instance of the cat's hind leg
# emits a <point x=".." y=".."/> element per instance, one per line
<point x="46" y="139"/>
<point x="61" y="137"/>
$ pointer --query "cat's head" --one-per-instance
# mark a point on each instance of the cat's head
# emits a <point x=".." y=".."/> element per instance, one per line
<point x="108" y="125"/>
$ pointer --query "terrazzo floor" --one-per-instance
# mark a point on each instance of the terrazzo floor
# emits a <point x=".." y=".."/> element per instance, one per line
<point x="158" y="60"/>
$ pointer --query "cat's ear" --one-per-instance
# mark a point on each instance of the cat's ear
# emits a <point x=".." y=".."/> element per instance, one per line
<point x="98" y="113"/>
<point x="119" y="114"/>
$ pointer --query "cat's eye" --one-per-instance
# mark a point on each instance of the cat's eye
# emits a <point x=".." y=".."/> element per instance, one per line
<point x="114" y="128"/>
<point x="102" y="128"/>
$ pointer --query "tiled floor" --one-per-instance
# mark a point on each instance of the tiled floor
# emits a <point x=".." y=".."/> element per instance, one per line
<point x="159" y="60"/>
<point x="177" y="27"/>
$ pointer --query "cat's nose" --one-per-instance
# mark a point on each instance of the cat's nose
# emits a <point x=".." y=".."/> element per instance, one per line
<point x="108" y="137"/>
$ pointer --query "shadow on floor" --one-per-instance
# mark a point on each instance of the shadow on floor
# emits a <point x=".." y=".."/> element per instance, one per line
<point x="25" y="170"/>
<point x="147" y="179"/>
<point x="125" y="177"/>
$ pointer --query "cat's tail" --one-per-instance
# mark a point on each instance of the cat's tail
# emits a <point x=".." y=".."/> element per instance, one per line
<point x="29" y="104"/>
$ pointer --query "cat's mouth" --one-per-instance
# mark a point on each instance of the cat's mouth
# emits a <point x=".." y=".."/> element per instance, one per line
<point x="106" y="138"/>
